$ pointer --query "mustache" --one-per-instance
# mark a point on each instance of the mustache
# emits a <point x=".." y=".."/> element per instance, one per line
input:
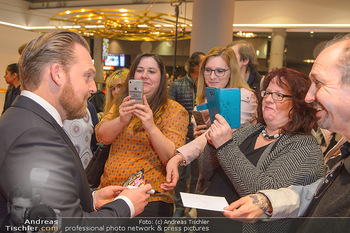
<point x="316" y="105"/>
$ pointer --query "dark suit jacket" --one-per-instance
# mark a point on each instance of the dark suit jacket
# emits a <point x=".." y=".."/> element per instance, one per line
<point x="30" y="139"/>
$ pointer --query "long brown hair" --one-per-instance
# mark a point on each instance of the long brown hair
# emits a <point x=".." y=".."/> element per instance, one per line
<point x="159" y="98"/>
<point x="302" y="116"/>
<point x="235" y="80"/>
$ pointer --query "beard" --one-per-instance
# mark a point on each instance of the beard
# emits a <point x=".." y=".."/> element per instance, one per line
<point x="324" y="123"/>
<point x="74" y="107"/>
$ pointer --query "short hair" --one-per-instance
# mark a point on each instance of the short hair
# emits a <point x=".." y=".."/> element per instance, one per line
<point x="20" y="191"/>
<point x="159" y="98"/>
<point x="194" y="61"/>
<point x="343" y="63"/>
<point x="112" y="80"/>
<point x="235" y="80"/>
<point x="13" y="68"/>
<point x="302" y="116"/>
<point x="246" y="51"/>
<point x="53" y="47"/>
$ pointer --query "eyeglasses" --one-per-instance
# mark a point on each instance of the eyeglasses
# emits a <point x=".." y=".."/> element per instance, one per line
<point x="275" y="95"/>
<point x="218" y="72"/>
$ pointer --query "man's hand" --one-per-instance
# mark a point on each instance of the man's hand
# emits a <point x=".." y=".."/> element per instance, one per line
<point x="249" y="208"/>
<point x="139" y="197"/>
<point x="106" y="195"/>
<point x="172" y="173"/>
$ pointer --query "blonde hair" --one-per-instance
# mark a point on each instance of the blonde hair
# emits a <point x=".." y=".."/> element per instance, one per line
<point x="117" y="77"/>
<point x="235" y="80"/>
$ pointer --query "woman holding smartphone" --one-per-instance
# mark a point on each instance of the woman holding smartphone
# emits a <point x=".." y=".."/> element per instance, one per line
<point x="219" y="69"/>
<point x="277" y="152"/>
<point x="144" y="136"/>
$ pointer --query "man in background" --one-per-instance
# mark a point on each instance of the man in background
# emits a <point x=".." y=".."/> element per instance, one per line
<point x="184" y="92"/>
<point x="248" y="63"/>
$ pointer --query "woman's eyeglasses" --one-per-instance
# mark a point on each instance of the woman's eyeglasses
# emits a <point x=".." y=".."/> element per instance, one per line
<point x="275" y="95"/>
<point x="217" y="72"/>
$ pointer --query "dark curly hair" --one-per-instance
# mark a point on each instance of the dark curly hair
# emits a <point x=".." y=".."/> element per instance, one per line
<point x="302" y="115"/>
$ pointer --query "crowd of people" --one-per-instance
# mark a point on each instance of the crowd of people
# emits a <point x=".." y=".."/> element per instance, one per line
<point x="272" y="166"/>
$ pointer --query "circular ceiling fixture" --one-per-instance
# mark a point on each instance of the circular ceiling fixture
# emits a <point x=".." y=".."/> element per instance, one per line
<point x="245" y="34"/>
<point x="123" y="24"/>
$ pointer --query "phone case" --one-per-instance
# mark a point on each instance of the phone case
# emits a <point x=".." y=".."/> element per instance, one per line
<point x="136" y="90"/>
<point x="198" y="118"/>
<point x="226" y="102"/>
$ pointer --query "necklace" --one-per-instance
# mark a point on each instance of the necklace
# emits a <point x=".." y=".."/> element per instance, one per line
<point x="265" y="135"/>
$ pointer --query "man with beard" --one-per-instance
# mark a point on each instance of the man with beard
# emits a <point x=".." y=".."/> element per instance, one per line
<point x="57" y="76"/>
<point x="328" y="197"/>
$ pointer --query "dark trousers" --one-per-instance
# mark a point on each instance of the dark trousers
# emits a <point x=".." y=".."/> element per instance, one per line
<point x="187" y="174"/>
<point x="158" y="209"/>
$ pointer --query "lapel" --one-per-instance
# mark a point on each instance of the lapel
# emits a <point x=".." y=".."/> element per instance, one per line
<point x="271" y="150"/>
<point x="80" y="178"/>
<point x="31" y="105"/>
<point x="270" y="153"/>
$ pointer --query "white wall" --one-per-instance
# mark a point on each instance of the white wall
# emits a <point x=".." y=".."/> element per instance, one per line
<point x="292" y="12"/>
<point x="10" y="39"/>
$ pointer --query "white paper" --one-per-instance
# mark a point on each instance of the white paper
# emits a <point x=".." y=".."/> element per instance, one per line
<point x="204" y="202"/>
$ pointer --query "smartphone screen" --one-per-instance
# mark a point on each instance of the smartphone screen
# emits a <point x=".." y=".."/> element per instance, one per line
<point x="136" y="90"/>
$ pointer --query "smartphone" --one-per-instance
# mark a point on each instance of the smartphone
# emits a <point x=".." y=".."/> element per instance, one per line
<point x="136" y="90"/>
<point x="198" y="117"/>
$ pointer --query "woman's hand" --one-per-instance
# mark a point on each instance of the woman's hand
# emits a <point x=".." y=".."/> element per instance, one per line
<point x="219" y="132"/>
<point x="172" y="172"/>
<point x="126" y="110"/>
<point x="144" y="112"/>
<point x="199" y="130"/>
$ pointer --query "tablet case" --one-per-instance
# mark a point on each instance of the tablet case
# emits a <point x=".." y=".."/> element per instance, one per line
<point x="224" y="101"/>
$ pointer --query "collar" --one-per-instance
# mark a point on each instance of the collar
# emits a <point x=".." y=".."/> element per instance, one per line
<point x="251" y="78"/>
<point x="190" y="78"/>
<point x="43" y="103"/>
<point x="345" y="152"/>
<point x="345" y="149"/>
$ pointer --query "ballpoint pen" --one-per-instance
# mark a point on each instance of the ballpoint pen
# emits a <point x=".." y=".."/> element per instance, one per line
<point x="152" y="191"/>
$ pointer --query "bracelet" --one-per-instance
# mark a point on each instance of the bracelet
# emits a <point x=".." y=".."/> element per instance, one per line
<point x="183" y="163"/>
